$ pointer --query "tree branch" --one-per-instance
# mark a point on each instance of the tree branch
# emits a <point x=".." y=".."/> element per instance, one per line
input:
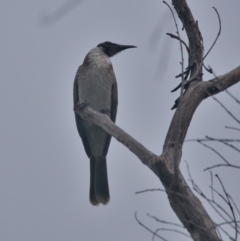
<point x="87" y="113"/>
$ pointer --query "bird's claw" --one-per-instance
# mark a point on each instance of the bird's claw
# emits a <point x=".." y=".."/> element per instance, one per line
<point x="79" y="106"/>
<point x="105" y="111"/>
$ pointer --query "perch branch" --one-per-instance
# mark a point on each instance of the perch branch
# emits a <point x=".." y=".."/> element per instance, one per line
<point x="105" y="122"/>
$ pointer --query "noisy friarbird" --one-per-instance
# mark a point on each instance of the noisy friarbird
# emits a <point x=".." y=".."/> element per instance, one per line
<point x="95" y="85"/>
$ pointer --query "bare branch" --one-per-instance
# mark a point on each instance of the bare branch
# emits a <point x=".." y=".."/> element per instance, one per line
<point x="105" y="122"/>
<point x="230" y="94"/>
<point x="215" y="151"/>
<point x="225" y="232"/>
<point x="221" y="165"/>
<point x="233" y="128"/>
<point x="230" y="206"/>
<point x="224" y="223"/>
<point x="219" y="32"/>
<point x="221" y="140"/>
<point x="226" y="109"/>
<point x="234" y="204"/>
<point x="168" y="223"/>
<point x="165" y="222"/>
<point x="209" y="70"/>
<point x="177" y="37"/>
<point x="224" y="142"/>
<point x="150" y="190"/>
<point x="212" y="185"/>
<point x="211" y="202"/>
<point x="148" y="229"/>
<point x="171" y="230"/>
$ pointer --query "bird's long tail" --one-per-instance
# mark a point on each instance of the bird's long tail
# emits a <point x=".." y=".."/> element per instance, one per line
<point x="99" y="191"/>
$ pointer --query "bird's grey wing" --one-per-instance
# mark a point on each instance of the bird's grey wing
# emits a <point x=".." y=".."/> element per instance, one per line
<point x="78" y="119"/>
<point x="114" y="104"/>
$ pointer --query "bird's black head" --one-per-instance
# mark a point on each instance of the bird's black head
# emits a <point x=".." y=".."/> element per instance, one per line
<point x="111" y="49"/>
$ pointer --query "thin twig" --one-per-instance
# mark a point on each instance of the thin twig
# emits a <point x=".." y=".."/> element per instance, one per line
<point x="223" y="223"/>
<point x="220" y="195"/>
<point x="231" y="146"/>
<point x="225" y="232"/>
<point x="230" y="94"/>
<point x="230" y="206"/>
<point x="150" y="190"/>
<point x="218" y="232"/>
<point x="225" y="108"/>
<point x="223" y="210"/>
<point x="219" y="32"/>
<point x="176" y="37"/>
<point x="212" y="203"/>
<point x="234" y="204"/>
<point x="171" y="230"/>
<point x="221" y="165"/>
<point x="165" y="222"/>
<point x="224" y="142"/>
<point x="220" y="224"/>
<point x="202" y="140"/>
<point x="141" y="224"/>
<point x="233" y="128"/>
<point x="212" y="149"/>
<point x="162" y="190"/>
<point x="209" y="70"/>
<point x="212" y="185"/>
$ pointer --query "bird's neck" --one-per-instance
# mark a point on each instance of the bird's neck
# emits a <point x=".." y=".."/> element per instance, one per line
<point x="98" y="58"/>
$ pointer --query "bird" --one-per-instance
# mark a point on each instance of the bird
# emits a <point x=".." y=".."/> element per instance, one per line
<point x="95" y="85"/>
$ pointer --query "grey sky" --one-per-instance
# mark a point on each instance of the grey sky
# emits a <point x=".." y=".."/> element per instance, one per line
<point x="44" y="172"/>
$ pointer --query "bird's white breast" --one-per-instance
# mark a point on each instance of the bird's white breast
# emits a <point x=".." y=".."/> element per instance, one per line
<point x="98" y="58"/>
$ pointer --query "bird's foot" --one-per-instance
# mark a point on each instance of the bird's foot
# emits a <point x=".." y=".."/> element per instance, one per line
<point x="79" y="106"/>
<point x="105" y="111"/>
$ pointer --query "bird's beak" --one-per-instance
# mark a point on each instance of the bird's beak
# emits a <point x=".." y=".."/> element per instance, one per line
<point x="118" y="48"/>
<point x="123" y="47"/>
